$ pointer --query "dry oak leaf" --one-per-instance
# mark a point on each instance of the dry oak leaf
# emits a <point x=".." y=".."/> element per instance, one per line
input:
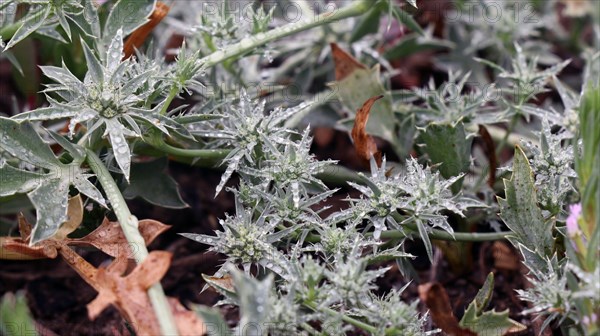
<point x="129" y="294"/>
<point x="363" y="142"/>
<point x="110" y="239"/>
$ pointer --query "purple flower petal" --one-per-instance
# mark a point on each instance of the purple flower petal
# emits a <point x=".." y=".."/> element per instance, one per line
<point x="572" y="224"/>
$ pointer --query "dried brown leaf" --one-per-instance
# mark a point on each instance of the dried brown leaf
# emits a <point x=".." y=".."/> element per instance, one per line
<point x="74" y="218"/>
<point x="436" y="299"/>
<point x="17" y="247"/>
<point x="188" y="322"/>
<point x="504" y="257"/>
<point x="129" y="293"/>
<point x="86" y="270"/>
<point x="363" y="142"/>
<point x="110" y="239"/>
<point x="345" y="64"/>
<point x="24" y="227"/>
<point x="224" y="283"/>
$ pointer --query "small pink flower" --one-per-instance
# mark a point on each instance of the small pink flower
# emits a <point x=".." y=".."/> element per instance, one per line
<point x="572" y="225"/>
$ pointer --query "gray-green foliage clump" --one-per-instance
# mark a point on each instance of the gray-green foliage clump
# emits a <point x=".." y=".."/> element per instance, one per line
<point x="310" y="267"/>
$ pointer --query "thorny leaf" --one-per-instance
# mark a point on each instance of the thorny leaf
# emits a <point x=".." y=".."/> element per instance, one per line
<point x="436" y="299"/>
<point x="449" y="145"/>
<point x="490" y="323"/>
<point x="48" y="191"/>
<point x="363" y="142"/>
<point x="521" y="213"/>
<point x="127" y="15"/>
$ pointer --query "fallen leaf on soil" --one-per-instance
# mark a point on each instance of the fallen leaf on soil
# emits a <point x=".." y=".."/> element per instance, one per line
<point x="436" y="299"/>
<point x="110" y="239"/>
<point x="188" y="322"/>
<point x="129" y="295"/>
<point x="504" y="257"/>
<point x="345" y="64"/>
<point x="363" y="142"/>
<point x="137" y="38"/>
<point x="13" y="248"/>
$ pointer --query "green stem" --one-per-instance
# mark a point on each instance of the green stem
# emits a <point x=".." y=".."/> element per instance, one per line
<point x="364" y="326"/>
<point x="250" y="43"/>
<point x="172" y="94"/>
<point x="129" y="224"/>
<point x="443" y="235"/>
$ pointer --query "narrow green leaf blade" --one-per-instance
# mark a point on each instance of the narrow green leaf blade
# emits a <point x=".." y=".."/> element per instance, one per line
<point x="407" y="20"/>
<point x="32" y="22"/>
<point x="484" y="295"/>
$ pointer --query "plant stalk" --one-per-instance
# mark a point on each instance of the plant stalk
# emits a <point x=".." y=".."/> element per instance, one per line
<point x="129" y="224"/>
<point x="172" y="94"/>
<point x="250" y="43"/>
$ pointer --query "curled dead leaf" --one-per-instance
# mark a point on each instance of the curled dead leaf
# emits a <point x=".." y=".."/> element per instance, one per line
<point x="345" y="64"/>
<point x="19" y="248"/>
<point x="436" y="299"/>
<point x="363" y="142"/>
<point x="24" y="227"/>
<point x="222" y="284"/>
<point x="74" y="218"/>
